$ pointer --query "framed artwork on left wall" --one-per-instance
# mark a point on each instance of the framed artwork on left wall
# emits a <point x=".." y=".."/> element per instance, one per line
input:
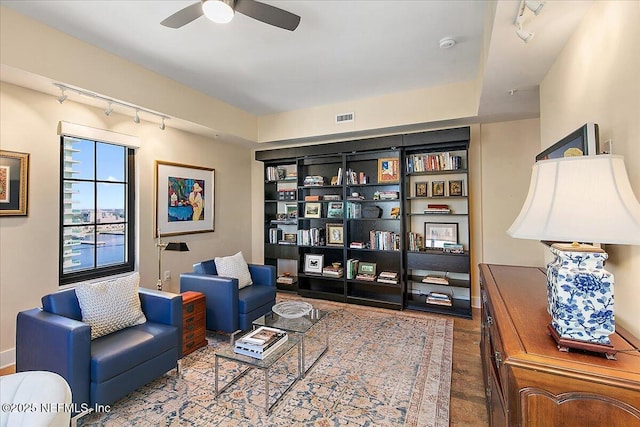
<point x="14" y="185"/>
<point x="184" y="199"/>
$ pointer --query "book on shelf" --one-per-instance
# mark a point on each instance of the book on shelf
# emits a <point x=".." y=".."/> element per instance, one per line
<point x="331" y="271"/>
<point x="366" y="277"/>
<point x="312" y="198"/>
<point x="453" y="248"/>
<point x="437" y="211"/>
<point x="390" y="277"/>
<point x="436" y="280"/>
<point x="437" y="208"/>
<point x="335" y="210"/>
<point x="313" y="180"/>
<point x="352" y="268"/>
<point x="261" y="342"/>
<point x="440" y="298"/>
<point x="357" y="245"/>
<point x="286" y="279"/>
<point x="332" y="197"/>
<point x="388" y="195"/>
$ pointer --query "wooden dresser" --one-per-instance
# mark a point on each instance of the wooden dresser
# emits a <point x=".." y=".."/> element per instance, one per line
<point x="528" y="381"/>
<point x="193" y="322"/>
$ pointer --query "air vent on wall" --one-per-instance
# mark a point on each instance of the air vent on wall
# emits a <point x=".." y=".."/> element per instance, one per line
<point x="345" y="117"/>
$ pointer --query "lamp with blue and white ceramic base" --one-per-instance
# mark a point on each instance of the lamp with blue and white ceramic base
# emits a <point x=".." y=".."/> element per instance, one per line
<point x="585" y="199"/>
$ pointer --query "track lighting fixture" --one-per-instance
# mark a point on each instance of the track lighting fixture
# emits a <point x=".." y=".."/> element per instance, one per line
<point x="111" y="102"/>
<point x="62" y="96"/>
<point x="524" y="35"/>
<point x="534" y="6"/>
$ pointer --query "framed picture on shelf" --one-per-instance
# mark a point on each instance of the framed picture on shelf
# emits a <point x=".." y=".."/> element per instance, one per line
<point x="14" y="173"/>
<point x="313" y="263"/>
<point x="335" y="234"/>
<point x="437" y="189"/>
<point x="436" y="234"/>
<point x="184" y="199"/>
<point x="292" y="211"/>
<point x="389" y="170"/>
<point x="421" y="189"/>
<point x="334" y="210"/>
<point x="455" y="188"/>
<point x="313" y="210"/>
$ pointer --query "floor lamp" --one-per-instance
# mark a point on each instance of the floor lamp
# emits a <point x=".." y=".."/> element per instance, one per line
<point x="580" y="199"/>
<point x="167" y="246"/>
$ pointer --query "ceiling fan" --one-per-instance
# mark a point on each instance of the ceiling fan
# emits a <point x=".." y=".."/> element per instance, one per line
<point x="222" y="11"/>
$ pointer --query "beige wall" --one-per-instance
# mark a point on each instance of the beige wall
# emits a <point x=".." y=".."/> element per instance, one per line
<point x="508" y="152"/>
<point x="29" y="245"/>
<point x="597" y="79"/>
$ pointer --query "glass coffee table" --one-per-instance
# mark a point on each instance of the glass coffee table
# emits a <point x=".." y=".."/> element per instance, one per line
<point x="265" y="365"/>
<point x="313" y="326"/>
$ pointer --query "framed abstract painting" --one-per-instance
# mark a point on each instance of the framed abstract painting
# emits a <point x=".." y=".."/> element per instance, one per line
<point x="184" y="199"/>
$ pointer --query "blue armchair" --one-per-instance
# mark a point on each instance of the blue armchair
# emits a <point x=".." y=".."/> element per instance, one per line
<point x="101" y="371"/>
<point x="228" y="308"/>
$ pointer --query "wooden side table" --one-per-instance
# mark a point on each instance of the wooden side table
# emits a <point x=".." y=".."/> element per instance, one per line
<point x="193" y="322"/>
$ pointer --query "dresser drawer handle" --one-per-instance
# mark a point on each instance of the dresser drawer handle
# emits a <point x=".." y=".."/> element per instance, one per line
<point x="189" y="307"/>
<point x="190" y="336"/>
<point x="191" y="319"/>
<point x="489" y="320"/>
<point x="191" y="344"/>
<point x="190" y="327"/>
<point x="498" y="358"/>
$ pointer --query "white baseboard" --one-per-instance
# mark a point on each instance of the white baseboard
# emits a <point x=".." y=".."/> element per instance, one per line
<point x="7" y="358"/>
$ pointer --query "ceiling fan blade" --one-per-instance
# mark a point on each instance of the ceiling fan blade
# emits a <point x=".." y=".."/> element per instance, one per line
<point x="268" y="14"/>
<point x="184" y="16"/>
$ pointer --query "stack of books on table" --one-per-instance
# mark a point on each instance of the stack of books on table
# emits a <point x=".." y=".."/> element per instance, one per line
<point x="390" y="277"/>
<point x="440" y="298"/>
<point x="331" y="271"/>
<point x="433" y="208"/>
<point x="261" y="342"/>
<point x="286" y="279"/>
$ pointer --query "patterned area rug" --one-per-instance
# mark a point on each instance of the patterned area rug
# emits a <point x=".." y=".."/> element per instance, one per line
<point x="383" y="368"/>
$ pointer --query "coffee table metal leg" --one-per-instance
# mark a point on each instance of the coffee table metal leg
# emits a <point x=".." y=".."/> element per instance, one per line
<point x="216" y="379"/>
<point x="266" y="391"/>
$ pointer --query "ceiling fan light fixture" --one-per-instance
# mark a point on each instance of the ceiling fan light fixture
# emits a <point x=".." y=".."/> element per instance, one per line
<point x="218" y="11"/>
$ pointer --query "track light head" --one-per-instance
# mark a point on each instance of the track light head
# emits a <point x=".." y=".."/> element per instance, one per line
<point x="109" y="110"/>
<point x="524" y="35"/>
<point x="534" y="6"/>
<point x="136" y="119"/>
<point x="62" y="96"/>
<point x="162" y="124"/>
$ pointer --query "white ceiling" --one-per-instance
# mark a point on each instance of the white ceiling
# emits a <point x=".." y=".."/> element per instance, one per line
<point x="342" y="50"/>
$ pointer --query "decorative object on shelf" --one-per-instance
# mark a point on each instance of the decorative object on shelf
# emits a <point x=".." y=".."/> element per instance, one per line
<point x="436" y="280"/>
<point x="313" y="210"/>
<point x="371" y="211"/>
<point x="286" y="279"/>
<point x="14" y="185"/>
<point x="436" y="234"/>
<point x="421" y="189"/>
<point x="389" y="170"/>
<point x="437" y="189"/>
<point x="292" y="309"/>
<point x="289" y="239"/>
<point x="286" y="194"/>
<point x="184" y="199"/>
<point x="366" y="271"/>
<point x="313" y="181"/>
<point x="292" y="211"/>
<point x="580" y="291"/>
<point x="335" y="234"/>
<point x="168" y="246"/>
<point x="581" y="142"/>
<point x="395" y="212"/>
<point x="455" y="188"/>
<point x="334" y="270"/>
<point x="388" y="277"/>
<point x="313" y="263"/>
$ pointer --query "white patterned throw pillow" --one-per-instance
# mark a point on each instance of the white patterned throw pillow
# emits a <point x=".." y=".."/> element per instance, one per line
<point x="236" y="267"/>
<point x="110" y="305"/>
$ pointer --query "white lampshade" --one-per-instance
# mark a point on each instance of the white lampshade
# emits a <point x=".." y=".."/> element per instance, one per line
<point x="219" y="11"/>
<point x="580" y="199"/>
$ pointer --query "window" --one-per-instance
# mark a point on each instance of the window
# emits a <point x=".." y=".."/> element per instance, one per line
<point x="96" y="209"/>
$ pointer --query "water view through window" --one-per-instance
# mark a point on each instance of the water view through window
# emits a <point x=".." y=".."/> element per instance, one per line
<point x="94" y="203"/>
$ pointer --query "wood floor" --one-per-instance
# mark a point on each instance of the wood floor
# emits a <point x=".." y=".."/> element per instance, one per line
<point x="467" y="407"/>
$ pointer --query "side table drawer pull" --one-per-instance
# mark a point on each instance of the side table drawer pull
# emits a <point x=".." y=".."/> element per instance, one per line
<point x="189" y="307"/>
<point x="190" y="327"/>
<point x="191" y="344"/>
<point x="190" y="336"/>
